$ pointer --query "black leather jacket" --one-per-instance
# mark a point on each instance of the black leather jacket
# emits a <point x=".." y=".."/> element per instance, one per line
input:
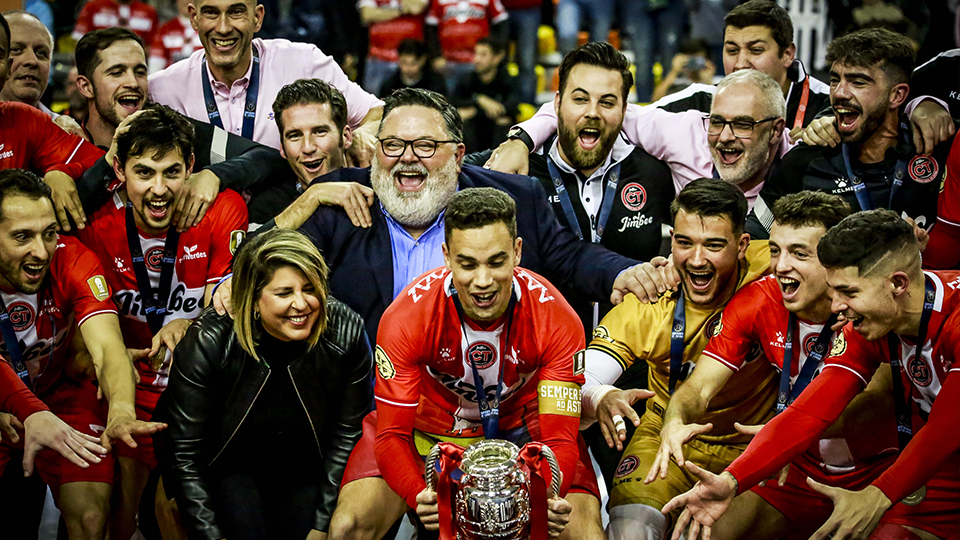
<point x="214" y="383"/>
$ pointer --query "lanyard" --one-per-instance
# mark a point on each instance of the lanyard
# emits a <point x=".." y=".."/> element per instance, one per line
<point x="902" y="403"/>
<point x="787" y="395"/>
<point x="250" y="107"/>
<point x="489" y="412"/>
<point x="609" y="194"/>
<point x="802" y="108"/>
<point x="13" y="344"/>
<point x="860" y="189"/>
<point x="154" y="301"/>
<point x="677" y="332"/>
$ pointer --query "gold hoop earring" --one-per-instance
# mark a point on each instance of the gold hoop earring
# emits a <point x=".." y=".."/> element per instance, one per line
<point x="256" y="315"/>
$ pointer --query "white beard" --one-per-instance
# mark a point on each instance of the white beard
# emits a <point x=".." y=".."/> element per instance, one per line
<point x="420" y="208"/>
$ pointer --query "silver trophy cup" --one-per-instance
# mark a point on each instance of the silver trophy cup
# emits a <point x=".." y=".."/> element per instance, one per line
<point x="493" y="499"/>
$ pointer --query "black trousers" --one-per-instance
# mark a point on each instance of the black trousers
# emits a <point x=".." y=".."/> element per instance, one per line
<point x="263" y="507"/>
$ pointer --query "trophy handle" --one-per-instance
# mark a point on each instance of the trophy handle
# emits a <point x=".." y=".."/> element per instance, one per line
<point x="554" y="471"/>
<point x="430" y="467"/>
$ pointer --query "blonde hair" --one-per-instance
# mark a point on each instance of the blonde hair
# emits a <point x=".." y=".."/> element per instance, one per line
<point x="253" y="269"/>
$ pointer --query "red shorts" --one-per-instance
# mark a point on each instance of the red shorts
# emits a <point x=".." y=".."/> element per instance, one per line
<point x="77" y="405"/>
<point x="363" y="461"/>
<point x="939" y="513"/>
<point x="146" y="403"/>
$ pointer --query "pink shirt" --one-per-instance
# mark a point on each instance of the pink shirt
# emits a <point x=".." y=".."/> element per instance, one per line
<point x="678" y="139"/>
<point x="281" y="62"/>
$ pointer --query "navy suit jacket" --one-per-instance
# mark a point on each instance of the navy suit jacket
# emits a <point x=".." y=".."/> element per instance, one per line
<point x="361" y="264"/>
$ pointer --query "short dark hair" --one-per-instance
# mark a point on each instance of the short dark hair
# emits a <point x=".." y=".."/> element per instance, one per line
<point x="600" y="54"/>
<point x="413" y="47"/>
<point x="6" y="30"/>
<point x="496" y="46"/>
<point x="419" y="97"/>
<point x="763" y="13"/>
<point x="87" y="54"/>
<point x="712" y="197"/>
<point x="872" y="46"/>
<point x="473" y="208"/>
<point x="866" y="238"/>
<point x="158" y="128"/>
<point x="308" y="92"/>
<point x="810" y="209"/>
<point x="22" y="182"/>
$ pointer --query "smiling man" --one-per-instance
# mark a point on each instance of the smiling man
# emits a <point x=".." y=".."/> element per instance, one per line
<point x="161" y="279"/>
<point x="880" y="289"/>
<point x="234" y="80"/>
<point x="714" y="258"/>
<point x="30" y="48"/>
<point x="877" y="164"/>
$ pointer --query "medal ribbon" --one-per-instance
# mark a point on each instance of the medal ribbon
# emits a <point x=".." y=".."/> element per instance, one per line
<point x="154" y="301"/>
<point x="860" y="189"/>
<point x="787" y="395"/>
<point x="609" y="194"/>
<point x="250" y="106"/>
<point x="676" y="343"/>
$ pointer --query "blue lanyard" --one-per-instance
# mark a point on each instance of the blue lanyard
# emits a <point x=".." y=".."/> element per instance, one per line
<point x="787" y="395"/>
<point x="677" y="332"/>
<point x="489" y="411"/>
<point x="13" y="344"/>
<point x="609" y="194"/>
<point x="860" y="189"/>
<point x="250" y="107"/>
<point x="154" y="301"/>
<point x="902" y="403"/>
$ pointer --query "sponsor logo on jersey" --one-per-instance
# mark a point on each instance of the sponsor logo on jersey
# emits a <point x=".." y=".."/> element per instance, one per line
<point x="481" y="354"/>
<point x="559" y="397"/>
<point x="236" y="238"/>
<point x="98" y="286"/>
<point x="154" y="258"/>
<point x="637" y="221"/>
<point x="129" y="303"/>
<point x="579" y="362"/>
<point x="810" y="343"/>
<point x="633" y="196"/>
<point x="715" y="325"/>
<point x="21" y="315"/>
<point x="923" y="169"/>
<point x="424" y="284"/>
<point x="534" y="285"/>
<point x="384" y="365"/>
<point x="7" y="154"/>
<point x="627" y="466"/>
<point x="918" y="371"/>
<point x="190" y="253"/>
<point x="839" y="345"/>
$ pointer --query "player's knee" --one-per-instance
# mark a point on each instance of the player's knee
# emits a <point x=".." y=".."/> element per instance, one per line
<point x="636" y="522"/>
<point x="347" y="524"/>
<point x="89" y="522"/>
<point x="585" y="521"/>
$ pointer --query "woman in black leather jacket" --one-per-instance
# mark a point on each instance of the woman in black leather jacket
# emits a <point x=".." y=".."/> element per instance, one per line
<point x="264" y="409"/>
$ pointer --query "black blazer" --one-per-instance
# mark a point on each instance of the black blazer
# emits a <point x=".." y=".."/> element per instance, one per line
<point x="361" y="264"/>
<point x="214" y="383"/>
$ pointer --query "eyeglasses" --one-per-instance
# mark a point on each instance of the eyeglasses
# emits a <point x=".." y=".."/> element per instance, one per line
<point x="741" y="128"/>
<point x="422" y="148"/>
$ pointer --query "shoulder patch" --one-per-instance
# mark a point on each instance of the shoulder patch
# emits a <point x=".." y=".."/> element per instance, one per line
<point x="236" y="238"/>
<point x="601" y="332"/>
<point x="384" y="365"/>
<point x="715" y="325"/>
<point x="923" y="169"/>
<point x="579" y="362"/>
<point x="839" y="345"/>
<point x="98" y="286"/>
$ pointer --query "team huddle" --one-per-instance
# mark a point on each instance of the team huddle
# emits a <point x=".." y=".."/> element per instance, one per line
<point x="246" y="298"/>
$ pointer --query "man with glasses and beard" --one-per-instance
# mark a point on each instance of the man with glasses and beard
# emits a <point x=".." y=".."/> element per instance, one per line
<point x="877" y="164"/>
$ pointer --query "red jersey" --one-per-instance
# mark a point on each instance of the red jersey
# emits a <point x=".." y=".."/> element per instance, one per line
<point x="45" y="321"/>
<point x="756" y="315"/>
<point x="175" y="41"/>
<point x="385" y="36"/>
<point x="30" y="140"/>
<point x="15" y="397"/>
<point x="135" y="15"/>
<point x="204" y="255"/>
<point x="462" y="23"/>
<point x="927" y="378"/>
<point x="943" y="249"/>
<point x="425" y="379"/>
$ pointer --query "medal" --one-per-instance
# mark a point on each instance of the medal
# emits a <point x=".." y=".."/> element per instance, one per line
<point x="916" y="497"/>
<point x="156" y="361"/>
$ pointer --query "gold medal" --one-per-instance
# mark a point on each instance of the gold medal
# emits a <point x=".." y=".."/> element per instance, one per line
<point x="916" y="497"/>
<point x="156" y="361"/>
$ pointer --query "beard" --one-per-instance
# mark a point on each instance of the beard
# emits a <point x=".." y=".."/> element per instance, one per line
<point x="419" y="208"/>
<point x="750" y="164"/>
<point x="580" y="158"/>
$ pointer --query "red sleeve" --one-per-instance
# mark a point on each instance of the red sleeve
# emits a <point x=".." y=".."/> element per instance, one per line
<point x="943" y="249"/>
<point x="230" y="215"/>
<point x="82" y="279"/>
<point x="397" y="393"/>
<point x="929" y="448"/>
<point x="737" y="328"/>
<point x="791" y="432"/>
<point x="53" y="149"/>
<point x="15" y="397"/>
<point x="562" y="341"/>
